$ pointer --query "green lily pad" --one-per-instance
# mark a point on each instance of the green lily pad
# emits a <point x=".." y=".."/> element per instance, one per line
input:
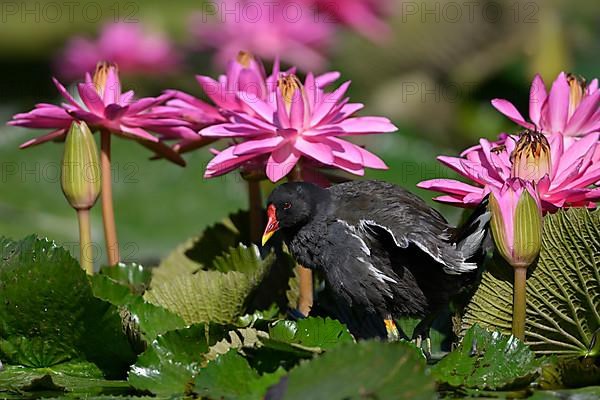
<point x="214" y="296"/>
<point x="488" y="360"/>
<point x="140" y="316"/>
<point x="259" y="316"/>
<point x="564" y="372"/>
<point x="169" y="364"/>
<point x="212" y="251"/>
<point x="74" y="377"/>
<point x="563" y="289"/>
<point x="324" y="333"/>
<point x="132" y="275"/>
<point x="368" y="369"/>
<point x="230" y="376"/>
<point x="49" y="314"/>
<point x="199" y="252"/>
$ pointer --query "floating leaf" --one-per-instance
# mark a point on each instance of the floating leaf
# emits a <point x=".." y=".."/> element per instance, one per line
<point x="49" y="315"/>
<point x="132" y="275"/>
<point x="81" y="378"/>
<point x="368" y="369"/>
<point x="324" y="333"/>
<point x="198" y="253"/>
<point x="570" y="372"/>
<point x="168" y="365"/>
<point x="207" y="252"/>
<point x="259" y="316"/>
<point x="488" y="360"/>
<point x="139" y="315"/>
<point x="563" y="290"/>
<point x="230" y="376"/>
<point x="214" y="296"/>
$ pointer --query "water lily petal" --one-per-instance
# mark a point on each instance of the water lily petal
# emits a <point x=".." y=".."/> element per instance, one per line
<point x="316" y="150"/>
<point x="324" y="106"/>
<point x="366" y="125"/>
<point x="508" y="109"/>
<point x="90" y="98"/>
<point x="257" y="146"/>
<point x="537" y="98"/>
<point x="558" y="104"/>
<point x="582" y="118"/>
<point x="44" y="138"/>
<point x="281" y="162"/>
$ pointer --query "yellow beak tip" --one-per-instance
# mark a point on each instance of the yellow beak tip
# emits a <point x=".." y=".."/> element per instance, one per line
<point x="266" y="237"/>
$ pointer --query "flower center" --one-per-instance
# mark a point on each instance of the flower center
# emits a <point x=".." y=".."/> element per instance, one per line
<point x="531" y="158"/>
<point x="577" y="90"/>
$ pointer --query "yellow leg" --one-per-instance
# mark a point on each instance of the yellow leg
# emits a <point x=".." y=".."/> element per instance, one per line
<point x="392" y="330"/>
<point x="305" y="298"/>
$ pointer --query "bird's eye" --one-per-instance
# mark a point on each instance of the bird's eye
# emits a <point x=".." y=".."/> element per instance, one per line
<point x="286" y="206"/>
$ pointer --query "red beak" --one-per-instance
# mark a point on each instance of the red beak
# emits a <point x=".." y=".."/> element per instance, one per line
<point x="272" y="224"/>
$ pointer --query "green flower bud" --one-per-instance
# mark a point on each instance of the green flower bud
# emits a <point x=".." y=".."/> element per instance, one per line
<point x="80" y="172"/>
<point x="516" y="222"/>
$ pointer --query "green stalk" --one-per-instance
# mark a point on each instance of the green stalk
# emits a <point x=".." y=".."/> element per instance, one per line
<point x="305" y="275"/>
<point x="86" y="252"/>
<point x="255" y="208"/>
<point x="519" y="301"/>
<point x="108" y="213"/>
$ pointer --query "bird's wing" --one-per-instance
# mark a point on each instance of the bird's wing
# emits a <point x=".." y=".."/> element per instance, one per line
<point x="386" y="212"/>
<point x="348" y="266"/>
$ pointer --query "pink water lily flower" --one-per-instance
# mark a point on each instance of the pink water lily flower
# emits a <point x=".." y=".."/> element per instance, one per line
<point x="297" y="120"/>
<point x="245" y="77"/>
<point x="567" y="182"/>
<point x="103" y="106"/>
<point x="571" y="108"/>
<point x="136" y="50"/>
<point x="285" y="29"/>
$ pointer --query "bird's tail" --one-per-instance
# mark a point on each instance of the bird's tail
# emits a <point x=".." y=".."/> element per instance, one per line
<point x="470" y="237"/>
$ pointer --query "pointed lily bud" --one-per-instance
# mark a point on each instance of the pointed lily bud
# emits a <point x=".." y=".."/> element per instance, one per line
<point x="516" y="222"/>
<point x="80" y="172"/>
<point x="531" y="159"/>
<point x="577" y="88"/>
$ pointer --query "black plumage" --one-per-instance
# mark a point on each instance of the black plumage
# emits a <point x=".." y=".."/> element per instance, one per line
<point x="384" y="253"/>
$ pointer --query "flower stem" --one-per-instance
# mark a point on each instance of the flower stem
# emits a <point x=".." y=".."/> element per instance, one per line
<point x="108" y="213"/>
<point x="519" y="302"/>
<point x="255" y="205"/>
<point x="305" y="275"/>
<point x="85" y="241"/>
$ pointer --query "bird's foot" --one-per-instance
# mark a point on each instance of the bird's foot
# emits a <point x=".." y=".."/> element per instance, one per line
<point x="295" y="314"/>
<point x="418" y="341"/>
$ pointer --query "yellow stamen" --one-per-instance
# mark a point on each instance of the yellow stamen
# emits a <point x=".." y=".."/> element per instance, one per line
<point x="244" y="58"/>
<point x="577" y="86"/>
<point x="288" y="85"/>
<point x="101" y="74"/>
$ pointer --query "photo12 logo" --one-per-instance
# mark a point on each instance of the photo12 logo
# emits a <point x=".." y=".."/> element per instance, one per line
<point x="469" y="11"/>
<point x="67" y="11"/>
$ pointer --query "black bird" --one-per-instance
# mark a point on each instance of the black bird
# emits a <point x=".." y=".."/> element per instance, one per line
<point x="384" y="253"/>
